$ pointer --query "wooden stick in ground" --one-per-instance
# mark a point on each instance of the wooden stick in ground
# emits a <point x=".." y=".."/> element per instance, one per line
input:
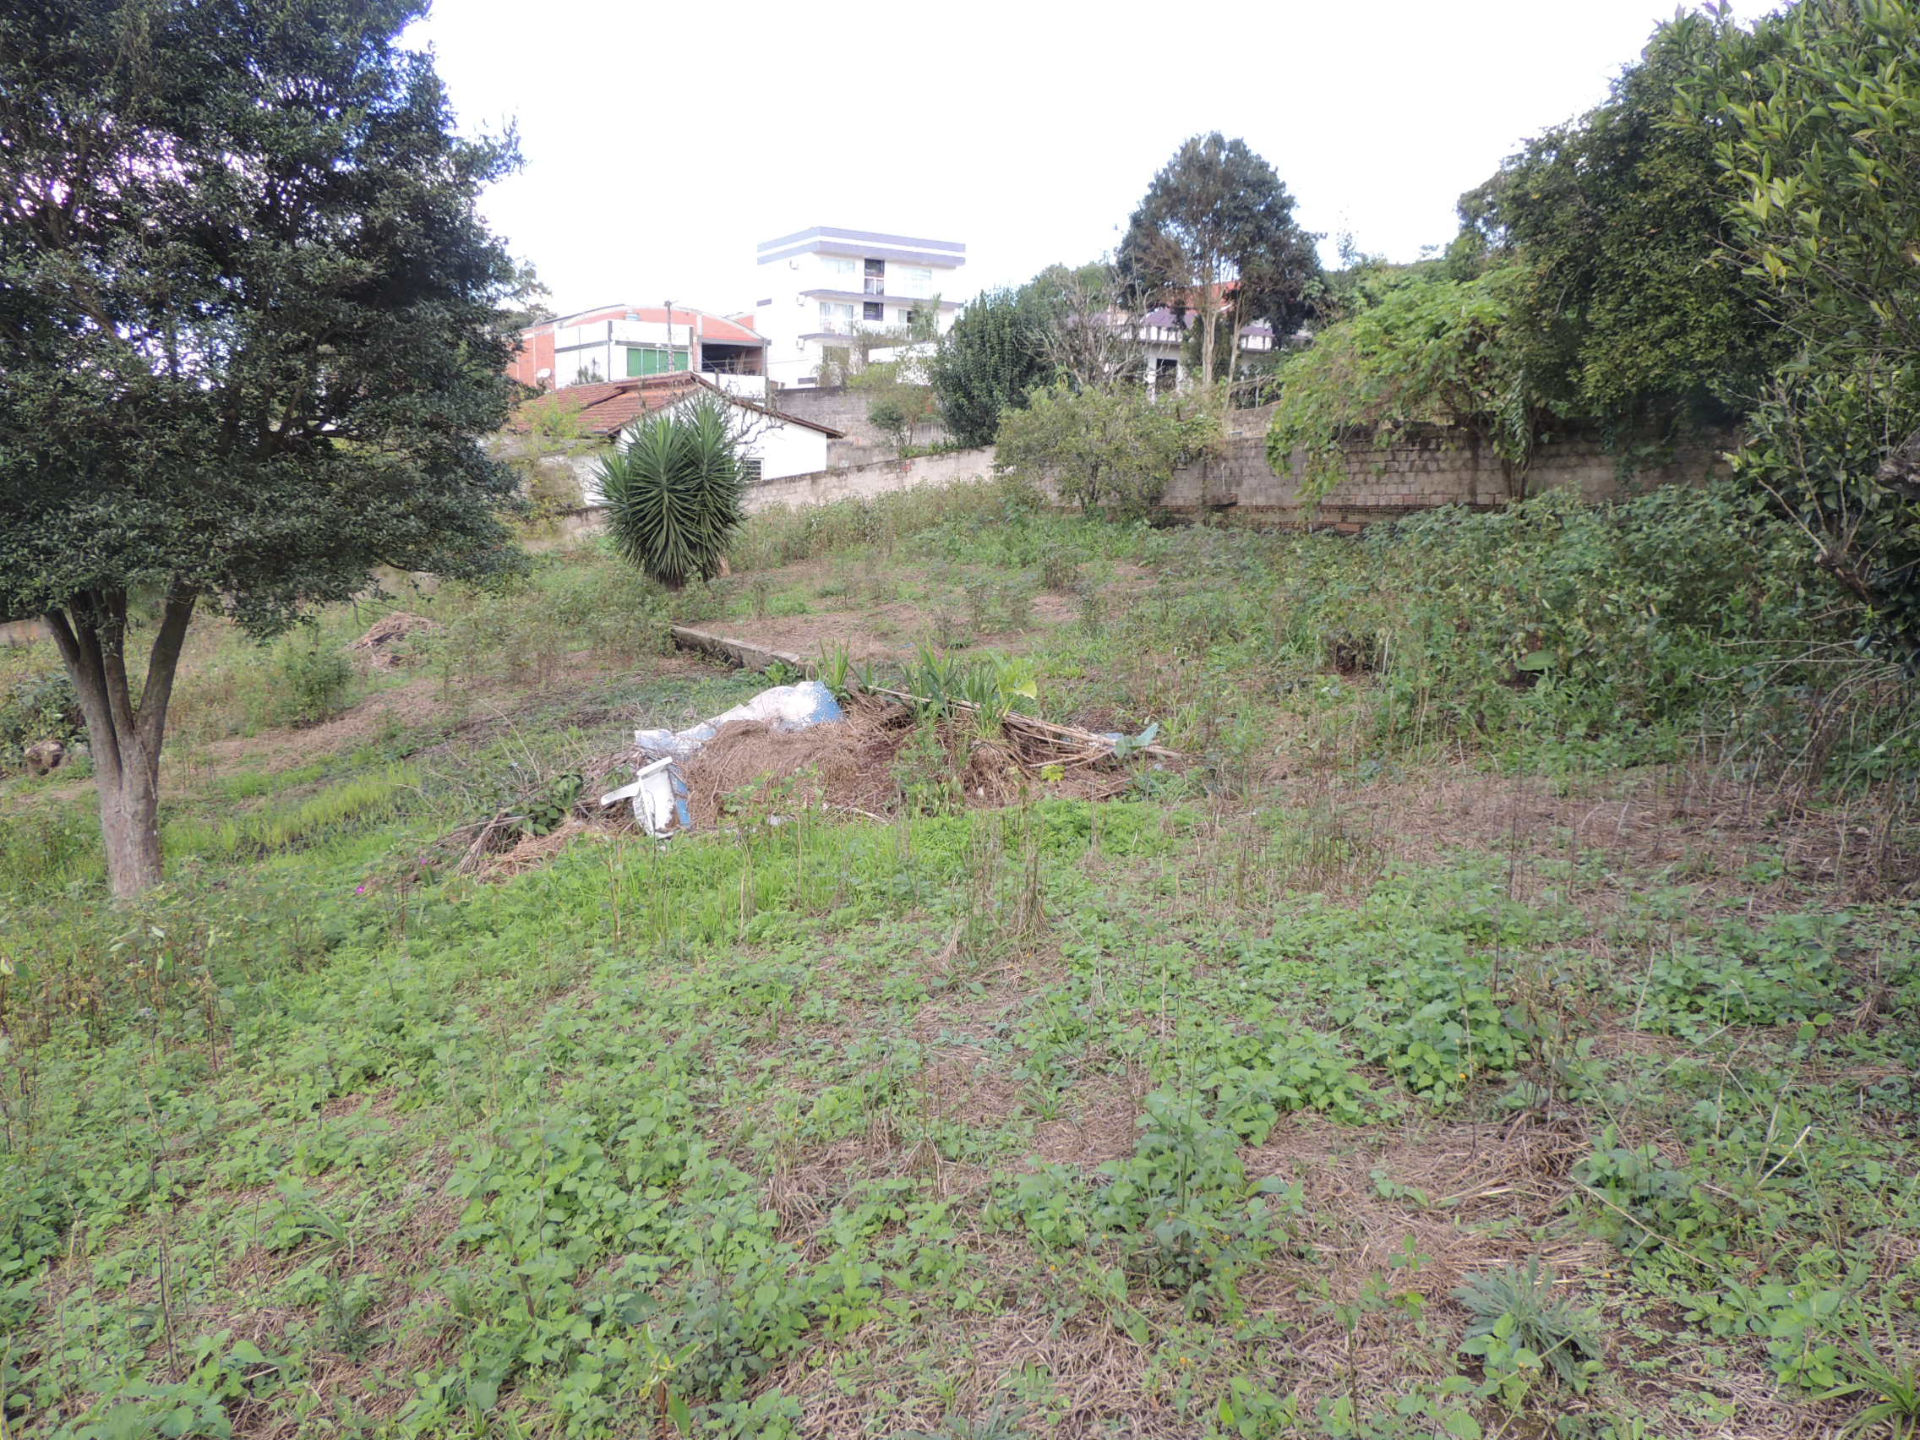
<point x="1086" y="738"/>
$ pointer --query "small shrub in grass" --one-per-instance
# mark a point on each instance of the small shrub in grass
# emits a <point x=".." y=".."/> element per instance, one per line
<point x="1192" y="1220"/>
<point x="313" y="681"/>
<point x="1258" y="1077"/>
<point x="1890" y="1381"/>
<point x="1059" y="571"/>
<point x="1435" y="1020"/>
<point x="1643" y="1202"/>
<point x="1093" y="609"/>
<point x="1015" y="604"/>
<point x="1520" y="1328"/>
<point x="607" y="607"/>
<point x="979" y="598"/>
<point x="42" y="706"/>
<point x="1783" y="973"/>
<point x="45" y="849"/>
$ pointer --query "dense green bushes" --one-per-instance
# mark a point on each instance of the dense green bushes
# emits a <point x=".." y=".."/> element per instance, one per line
<point x="1637" y="631"/>
<point x="1728" y="237"/>
<point x="40" y="705"/>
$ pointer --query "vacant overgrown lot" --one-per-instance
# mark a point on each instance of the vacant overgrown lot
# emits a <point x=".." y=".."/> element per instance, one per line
<point x="1500" y="1022"/>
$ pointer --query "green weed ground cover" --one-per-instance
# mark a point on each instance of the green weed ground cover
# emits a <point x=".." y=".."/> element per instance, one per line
<point x="1222" y="1110"/>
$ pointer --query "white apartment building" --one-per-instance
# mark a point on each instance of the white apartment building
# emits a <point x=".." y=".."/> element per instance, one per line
<point x="816" y="287"/>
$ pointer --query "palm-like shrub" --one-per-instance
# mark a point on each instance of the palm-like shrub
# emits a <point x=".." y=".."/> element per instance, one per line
<point x="673" y="493"/>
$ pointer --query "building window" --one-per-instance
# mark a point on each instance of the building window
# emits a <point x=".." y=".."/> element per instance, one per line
<point x="750" y="465"/>
<point x="873" y="310"/>
<point x="876" y="277"/>
<point x="913" y="280"/>
<point x="654" y="360"/>
<point x="1166" y="375"/>
<point x="839" y="264"/>
<point x="835" y="316"/>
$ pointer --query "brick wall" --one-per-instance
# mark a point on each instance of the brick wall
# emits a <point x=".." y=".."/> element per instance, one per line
<point x="1424" y="468"/>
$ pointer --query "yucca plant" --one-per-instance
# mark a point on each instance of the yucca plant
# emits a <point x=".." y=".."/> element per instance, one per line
<point x="674" y="492"/>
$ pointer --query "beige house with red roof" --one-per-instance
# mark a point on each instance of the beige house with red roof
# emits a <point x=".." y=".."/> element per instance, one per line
<point x="773" y="443"/>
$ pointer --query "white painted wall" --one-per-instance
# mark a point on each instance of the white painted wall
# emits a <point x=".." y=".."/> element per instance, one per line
<point x="785" y="450"/>
<point x="748" y="387"/>
<point x="601" y="345"/>
<point x="782" y="448"/>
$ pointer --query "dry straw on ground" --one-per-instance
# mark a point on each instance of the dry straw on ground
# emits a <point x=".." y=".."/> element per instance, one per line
<point x="384" y="644"/>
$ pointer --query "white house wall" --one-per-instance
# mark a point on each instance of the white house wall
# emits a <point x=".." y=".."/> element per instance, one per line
<point x="787" y="449"/>
<point x="600" y="347"/>
<point x="781" y="448"/>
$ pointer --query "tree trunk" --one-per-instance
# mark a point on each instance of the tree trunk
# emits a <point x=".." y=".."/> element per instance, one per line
<point x="130" y="826"/>
<point x="124" y="739"/>
<point x="1231" y="314"/>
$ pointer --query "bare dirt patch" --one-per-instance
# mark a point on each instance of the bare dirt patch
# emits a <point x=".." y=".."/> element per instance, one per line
<point x="1096" y="1125"/>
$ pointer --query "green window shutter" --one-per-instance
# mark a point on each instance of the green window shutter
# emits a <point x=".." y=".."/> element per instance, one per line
<point x="652" y="360"/>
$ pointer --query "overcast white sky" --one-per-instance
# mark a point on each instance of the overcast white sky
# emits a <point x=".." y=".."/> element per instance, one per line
<point x="665" y="138"/>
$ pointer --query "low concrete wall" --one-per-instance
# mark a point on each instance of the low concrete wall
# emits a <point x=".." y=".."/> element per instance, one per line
<point x="823" y="487"/>
<point x="1423" y="469"/>
<point x="24" y="632"/>
<point x="860" y="482"/>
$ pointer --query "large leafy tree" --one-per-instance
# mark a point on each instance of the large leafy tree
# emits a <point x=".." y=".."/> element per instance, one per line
<point x="1215" y="235"/>
<point x="252" y="330"/>
<point x="1814" y="120"/>
<point x="1614" y="227"/>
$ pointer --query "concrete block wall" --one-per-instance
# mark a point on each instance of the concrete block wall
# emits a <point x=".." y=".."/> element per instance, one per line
<point x="28" y="631"/>
<point x="1423" y="468"/>
<point x="841" y="408"/>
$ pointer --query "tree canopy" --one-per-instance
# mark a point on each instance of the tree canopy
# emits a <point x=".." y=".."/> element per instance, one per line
<point x="992" y="358"/>
<point x="253" y="328"/>
<point x="1624" y="302"/>
<point x="1729" y="238"/>
<point x="1215" y="235"/>
<point x="1814" y="122"/>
